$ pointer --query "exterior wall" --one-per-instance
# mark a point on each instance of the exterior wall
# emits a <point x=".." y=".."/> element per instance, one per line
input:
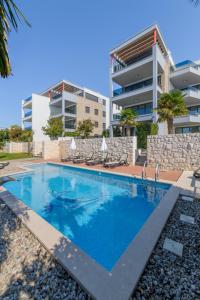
<point x="13" y="147"/>
<point x="116" y="147"/>
<point x="40" y="115"/>
<point x="82" y="115"/>
<point x="38" y="148"/>
<point x="51" y="150"/>
<point x="174" y="151"/>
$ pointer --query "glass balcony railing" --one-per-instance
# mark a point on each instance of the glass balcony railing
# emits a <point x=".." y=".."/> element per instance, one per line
<point x="116" y="117"/>
<point x="70" y="110"/>
<point x="56" y="96"/>
<point x="28" y="99"/>
<point x="118" y="66"/>
<point x="133" y="87"/>
<point x="191" y="88"/>
<point x="185" y="64"/>
<point x="28" y="113"/>
<point x="28" y="128"/>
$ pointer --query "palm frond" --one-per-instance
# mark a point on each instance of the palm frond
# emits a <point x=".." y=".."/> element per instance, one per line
<point x="195" y="2"/>
<point x="9" y="17"/>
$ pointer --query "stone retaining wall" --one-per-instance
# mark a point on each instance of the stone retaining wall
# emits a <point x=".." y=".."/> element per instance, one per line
<point x="174" y="151"/>
<point x="116" y="147"/>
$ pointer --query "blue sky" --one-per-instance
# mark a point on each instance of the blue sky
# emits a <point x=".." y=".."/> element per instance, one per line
<point x="71" y="39"/>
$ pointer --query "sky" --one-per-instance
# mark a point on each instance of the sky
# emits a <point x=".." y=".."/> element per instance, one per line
<point x="71" y="39"/>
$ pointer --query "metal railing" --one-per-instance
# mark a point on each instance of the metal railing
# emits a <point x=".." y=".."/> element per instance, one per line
<point x="144" y="173"/>
<point x="157" y="173"/>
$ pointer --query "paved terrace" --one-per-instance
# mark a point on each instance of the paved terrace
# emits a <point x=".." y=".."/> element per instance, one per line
<point x="133" y="170"/>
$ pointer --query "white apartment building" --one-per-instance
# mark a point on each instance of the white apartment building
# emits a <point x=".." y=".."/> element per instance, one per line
<point x="70" y="102"/>
<point x="141" y="69"/>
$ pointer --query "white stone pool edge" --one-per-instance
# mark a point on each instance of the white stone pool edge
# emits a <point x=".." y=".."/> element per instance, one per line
<point x="98" y="282"/>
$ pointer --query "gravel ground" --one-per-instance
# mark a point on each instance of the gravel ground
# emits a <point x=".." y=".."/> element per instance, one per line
<point x="170" y="277"/>
<point x="27" y="270"/>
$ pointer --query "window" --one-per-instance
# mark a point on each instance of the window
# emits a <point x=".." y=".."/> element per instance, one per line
<point x="104" y="102"/>
<point x="96" y="112"/>
<point x="87" y="109"/>
<point x="96" y="124"/>
<point x="104" y="126"/>
<point x="91" y="97"/>
<point x="187" y="129"/>
<point x="104" y="114"/>
<point x="143" y="109"/>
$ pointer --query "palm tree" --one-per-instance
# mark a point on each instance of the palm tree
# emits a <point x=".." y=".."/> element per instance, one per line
<point x="171" y="105"/>
<point x="9" y="16"/>
<point x="127" y="119"/>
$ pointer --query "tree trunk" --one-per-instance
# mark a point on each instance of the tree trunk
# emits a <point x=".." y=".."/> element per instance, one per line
<point x="170" y="126"/>
<point x="128" y="131"/>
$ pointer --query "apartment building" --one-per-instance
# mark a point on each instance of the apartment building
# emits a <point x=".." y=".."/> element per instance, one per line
<point x="141" y="69"/>
<point x="68" y="101"/>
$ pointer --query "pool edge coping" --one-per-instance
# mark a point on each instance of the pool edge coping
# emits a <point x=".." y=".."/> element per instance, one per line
<point x="118" y="284"/>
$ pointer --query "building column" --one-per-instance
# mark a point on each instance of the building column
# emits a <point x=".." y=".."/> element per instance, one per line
<point x="110" y="96"/>
<point x="155" y="81"/>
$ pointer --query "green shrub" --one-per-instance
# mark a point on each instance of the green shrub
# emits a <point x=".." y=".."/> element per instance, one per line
<point x="154" y="129"/>
<point x="142" y="131"/>
<point x="72" y="134"/>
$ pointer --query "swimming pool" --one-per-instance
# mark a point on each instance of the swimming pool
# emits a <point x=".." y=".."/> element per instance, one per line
<point x="100" y="212"/>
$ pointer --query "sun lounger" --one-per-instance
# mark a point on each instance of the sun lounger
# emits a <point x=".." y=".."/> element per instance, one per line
<point x="97" y="160"/>
<point x="120" y="162"/>
<point x="197" y="174"/>
<point x="83" y="159"/>
<point x="71" y="157"/>
<point x="3" y="165"/>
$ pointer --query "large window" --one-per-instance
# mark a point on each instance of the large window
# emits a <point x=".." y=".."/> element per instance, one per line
<point x="194" y="110"/>
<point x="91" y="97"/>
<point x="192" y="129"/>
<point x="96" y="111"/>
<point x="143" y="109"/>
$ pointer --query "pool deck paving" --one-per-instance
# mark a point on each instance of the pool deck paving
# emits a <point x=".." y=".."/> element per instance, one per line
<point x="170" y="175"/>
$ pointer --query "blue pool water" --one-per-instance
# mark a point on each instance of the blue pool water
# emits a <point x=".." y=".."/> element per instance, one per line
<point x="101" y="213"/>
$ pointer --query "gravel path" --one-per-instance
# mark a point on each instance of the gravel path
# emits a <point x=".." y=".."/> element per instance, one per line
<point x="27" y="270"/>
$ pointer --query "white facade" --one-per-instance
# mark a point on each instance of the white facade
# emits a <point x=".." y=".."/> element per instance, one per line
<point x="141" y="69"/>
<point x="35" y="113"/>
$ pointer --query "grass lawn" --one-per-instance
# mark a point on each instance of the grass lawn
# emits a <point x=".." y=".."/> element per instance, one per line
<point x="9" y="156"/>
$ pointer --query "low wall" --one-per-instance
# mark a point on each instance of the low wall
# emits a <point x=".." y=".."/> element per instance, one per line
<point x="174" y="151"/>
<point x="116" y="147"/>
<point x="14" y="147"/>
<point x="51" y="150"/>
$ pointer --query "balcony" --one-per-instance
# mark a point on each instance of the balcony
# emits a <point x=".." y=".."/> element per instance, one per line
<point x="133" y="87"/>
<point x="185" y="74"/>
<point x="140" y="118"/>
<point x="192" y="96"/>
<point x="27" y="103"/>
<point x="27" y="114"/>
<point x="133" y="72"/>
<point x="187" y="120"/>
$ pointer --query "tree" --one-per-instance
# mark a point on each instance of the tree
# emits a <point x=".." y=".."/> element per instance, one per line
<point x="15" y="133"/>
<point x="85" y="128"/>
<point x="54" y="128"/>
<point x="9" y="17"/>
<point x="27" y="135"/>
<point x="127" y="119"/>
<point x="4" y="137"/>
<point x="171" y="105"/>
